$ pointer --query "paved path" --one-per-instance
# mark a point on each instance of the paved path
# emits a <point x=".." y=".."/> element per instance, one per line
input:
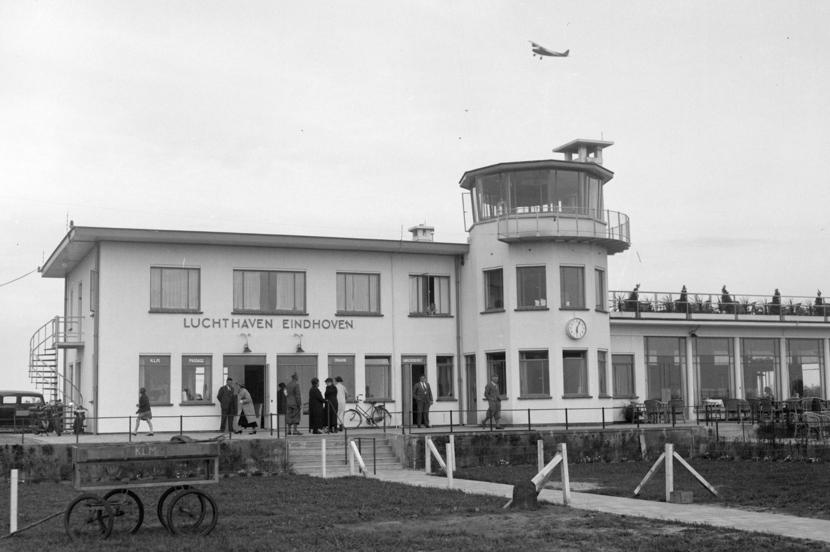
<point x="788" y="526"/>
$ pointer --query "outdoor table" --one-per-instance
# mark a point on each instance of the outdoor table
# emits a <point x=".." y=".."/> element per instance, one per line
<point x="714" y="409"/>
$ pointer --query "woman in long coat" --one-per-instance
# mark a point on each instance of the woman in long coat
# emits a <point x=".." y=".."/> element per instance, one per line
<point x="315" y="407"/>
<point x="247" y="416"/>
<point x="331" y="406"/>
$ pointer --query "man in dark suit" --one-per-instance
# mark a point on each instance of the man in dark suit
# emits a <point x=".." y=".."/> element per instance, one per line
<point x="422" y="395"/>
<point x="293" y="406"/>
<point x="227" y="400"/>
<point x="491" y="395"/>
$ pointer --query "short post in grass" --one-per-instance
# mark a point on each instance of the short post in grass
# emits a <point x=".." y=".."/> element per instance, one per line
<point x="450" y="464"/>
<point x="540" y="454"/>
<point x="451" y="448"/>
<point x="669" y="471"/>
<point x="13" y="503"/>
<point x="323" y="456"/>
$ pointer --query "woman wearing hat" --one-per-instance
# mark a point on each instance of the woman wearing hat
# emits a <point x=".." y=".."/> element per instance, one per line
<point x="331" y="406"/>
<point x="247" y="416"/>
<point x="342" y="395"/>
<point x="316" y="403"/>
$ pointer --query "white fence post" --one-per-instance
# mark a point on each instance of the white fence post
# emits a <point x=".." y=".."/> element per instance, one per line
<point x="323" y="452"/>
<point x="351" y="459"/>
<point x="566" y="480"/>
<point x="452" y="446"/>
<point x="540" y="455"/>
<point x="13" y="503"/>
<point x="428" y="461"/>
<point x="669" y="471"/>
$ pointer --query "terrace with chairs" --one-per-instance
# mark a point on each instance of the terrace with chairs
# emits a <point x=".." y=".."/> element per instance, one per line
<point x="694" y="305"/>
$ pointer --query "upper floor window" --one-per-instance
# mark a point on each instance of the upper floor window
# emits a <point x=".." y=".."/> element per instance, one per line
<point x="358" y="293"/>
<point x="174" y="289"/>
<point x="493" y="289"/>
<point x="599" y="290"/>
<point x="268" y="291"/>
<point x="531" y="288"/>
<point x="573" y="287"/>
<point x="429" y="295"/>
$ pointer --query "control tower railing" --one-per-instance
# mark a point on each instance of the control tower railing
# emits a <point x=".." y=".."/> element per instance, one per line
<point x="557" y="223"/>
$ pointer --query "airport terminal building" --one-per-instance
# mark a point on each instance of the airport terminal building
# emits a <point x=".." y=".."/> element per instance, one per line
<point x="526" y="297"/>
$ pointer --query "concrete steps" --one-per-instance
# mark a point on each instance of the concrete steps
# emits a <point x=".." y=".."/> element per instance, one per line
<point x="305" y="454"/>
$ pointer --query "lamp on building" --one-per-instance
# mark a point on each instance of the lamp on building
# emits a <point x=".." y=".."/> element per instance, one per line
<point x="299" y="343"/>
<point x="246" y="349"/>
<point x="693" y="331"/>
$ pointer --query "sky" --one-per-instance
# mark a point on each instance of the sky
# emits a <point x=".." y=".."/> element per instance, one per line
<point x="358" y="119"/>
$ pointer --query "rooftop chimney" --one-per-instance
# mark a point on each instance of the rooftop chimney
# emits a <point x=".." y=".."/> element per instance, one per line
<point x="422" y="232"/>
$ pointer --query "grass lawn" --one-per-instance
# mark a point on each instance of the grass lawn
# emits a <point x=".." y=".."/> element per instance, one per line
<point x="794" y="488"/>
<point x="306" y="513"/>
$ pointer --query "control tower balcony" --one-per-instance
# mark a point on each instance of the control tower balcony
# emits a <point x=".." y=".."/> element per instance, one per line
<point x="549" y="200"/>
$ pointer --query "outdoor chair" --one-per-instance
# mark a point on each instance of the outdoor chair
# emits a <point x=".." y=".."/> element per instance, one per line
<point x="731" y="407"/>
<point x="654" y="411"/>
<point x="812" y="421"/>
<point x="678" y="408"/>
<point x="767" y="409"/>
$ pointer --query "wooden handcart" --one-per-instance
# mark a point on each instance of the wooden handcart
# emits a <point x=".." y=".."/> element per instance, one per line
<point x="184" y="509"/>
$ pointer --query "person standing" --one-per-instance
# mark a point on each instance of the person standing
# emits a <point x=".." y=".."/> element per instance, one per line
<point x="331" y="406"/>
<point x="281" y="396"/>
<point x="422" y="394"/>
<point x="316" y="404"/>
<point x="342" y="396"/>
<point x="247" y="416"/>
<point x="491" y="395"/>
<point x="293" y="406"/>
<point x="144" y="412"/>
<point x="227" y="400"/>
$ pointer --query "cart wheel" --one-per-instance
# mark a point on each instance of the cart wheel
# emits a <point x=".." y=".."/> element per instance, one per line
<point x="126" y="507"/>
<point x="161" y="509"/>
<point x="89" y="517"/>
<point x="192" y="512"/>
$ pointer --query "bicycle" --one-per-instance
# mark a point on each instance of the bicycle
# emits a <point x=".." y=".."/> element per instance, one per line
<point x="376" y="415"/>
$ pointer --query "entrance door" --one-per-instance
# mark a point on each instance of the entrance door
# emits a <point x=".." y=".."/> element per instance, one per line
<point x="255" y="384"/>
<point x="472" y="394"/>
<point x="413" y="367"/>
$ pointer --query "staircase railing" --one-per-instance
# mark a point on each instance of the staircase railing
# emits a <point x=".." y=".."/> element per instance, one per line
<point x="43" y="358"/>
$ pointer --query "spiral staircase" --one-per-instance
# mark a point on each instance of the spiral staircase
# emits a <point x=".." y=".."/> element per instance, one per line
<point x="61" y="332"/>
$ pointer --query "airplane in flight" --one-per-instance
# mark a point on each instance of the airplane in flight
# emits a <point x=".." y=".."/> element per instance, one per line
<point x="542" y="51"/>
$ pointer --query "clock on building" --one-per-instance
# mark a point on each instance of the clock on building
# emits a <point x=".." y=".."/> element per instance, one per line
<point x="576" y="328"/>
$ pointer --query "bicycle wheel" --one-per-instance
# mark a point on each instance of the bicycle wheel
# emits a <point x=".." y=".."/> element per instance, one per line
<point x="353" y="418"/>
<point x="161" y="510"/>
<point x="382" y="417"/>
<point x="89" y="517"/>
<point x="192" y="512"/>
<point x="126" y="507"/>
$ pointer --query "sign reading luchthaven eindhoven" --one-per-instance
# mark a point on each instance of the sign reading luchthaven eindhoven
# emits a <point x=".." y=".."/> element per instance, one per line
<point x="267" y="323"/>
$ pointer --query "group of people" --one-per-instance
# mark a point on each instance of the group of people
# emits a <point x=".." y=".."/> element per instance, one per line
<point x="325" y="410"/>
<point x="235" y="403"/>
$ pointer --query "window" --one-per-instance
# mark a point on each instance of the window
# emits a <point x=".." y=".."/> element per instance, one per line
<point x="805" y="360"/>
<point x="174" y="289"/>
<point x="599" y="290"/>
<point x="497" y="365"/>
<point x="534" y="373"/>
<point x="602" y="373"/>
<point x="268" y="291"/>
<point x="154" y="376"/>
<point x="305" y="366"/>
<point x="622" y="367"/>
<point x="493" y="290"/>
<point x="575" y="371"/>
<point x="196" y="378"/>
<point x="358" y="293"/>
<point x="759" y="359"/>
<point x="531" y="290"/>
<point x="665" y="359"/>
<point x="713" y="361"/>
<point x="445" y="377"/>
<point x="429" y="295"/>
<point x="379" y="377"/>
<point x="343" y="366"/>
<point x="573" y="287"/>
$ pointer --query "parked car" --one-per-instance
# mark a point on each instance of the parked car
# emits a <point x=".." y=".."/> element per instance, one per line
<point x="17" y="408"/>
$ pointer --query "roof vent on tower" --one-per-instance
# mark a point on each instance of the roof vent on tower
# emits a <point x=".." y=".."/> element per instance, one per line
<point x="422" y="232"/>
<point x="587" y="151"/>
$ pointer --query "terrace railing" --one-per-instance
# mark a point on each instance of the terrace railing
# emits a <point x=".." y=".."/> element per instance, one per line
<point x="696" y="305"/>
<point x="545" y="222"/>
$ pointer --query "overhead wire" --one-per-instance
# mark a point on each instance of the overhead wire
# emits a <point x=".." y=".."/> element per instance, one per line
<point x="16" y="279"/>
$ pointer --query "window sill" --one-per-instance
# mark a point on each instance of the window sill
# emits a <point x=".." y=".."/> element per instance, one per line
<point x="373" y="400"/>
<point x="269" y="313"/>
<point x="574" y="308"/>
<point x="534" y="397"/>
<point x="447" y="399"/>
<point x="174" y="311"/>
<point x="491" y="311"/>
<point x="197" y="403"/>
<point x="358" y="314"/>
<point x="427" y="315"/>
<point x="531" y="309"/>
<point x="602" y="396"/>
<point x="161" y="404"/>
<point x="577" y="396"/>
<point x="603" y="311"/>
<point x="625" y="397"/>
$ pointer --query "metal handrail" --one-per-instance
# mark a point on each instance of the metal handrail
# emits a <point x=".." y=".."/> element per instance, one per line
<point x="550" y="218"/>
<point x="59" y="330"/>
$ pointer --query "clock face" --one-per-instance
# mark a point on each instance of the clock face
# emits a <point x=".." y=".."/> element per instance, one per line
<point x="576" y="328"/>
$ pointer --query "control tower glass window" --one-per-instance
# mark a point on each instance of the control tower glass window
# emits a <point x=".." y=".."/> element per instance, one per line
<point x="493" y="289"/>
<point x="429" y="295"/>
<point x="531" y="287"/>
<point x="573" y="287"/>
<point x="491" y="199"/>
<point x="529" y="191"/>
